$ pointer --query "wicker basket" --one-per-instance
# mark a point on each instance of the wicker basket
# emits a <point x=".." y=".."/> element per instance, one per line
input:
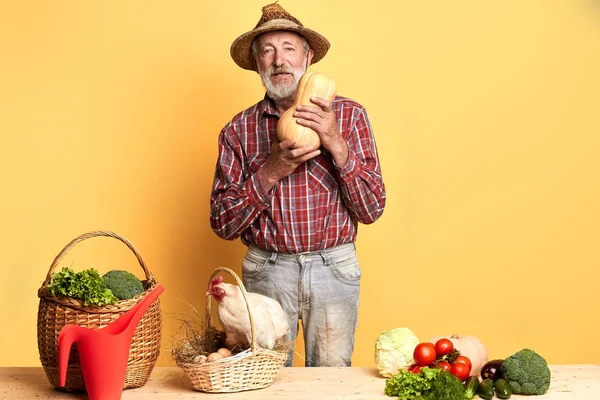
<point x="254" y="368"/>
<point x="56" y="312"/>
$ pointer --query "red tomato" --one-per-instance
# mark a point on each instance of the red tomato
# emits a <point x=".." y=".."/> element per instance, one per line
<point x="461" y="371"/>
<point x="411" y="367"/>
<point x="424" y="354"/>
<point x="416" y="369"/>
<point x="464" y="360"/>
<point x="444" y="366"/>
<point x="443" y="347"/>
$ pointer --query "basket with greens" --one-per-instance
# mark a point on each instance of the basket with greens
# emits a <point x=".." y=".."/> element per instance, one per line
<point x="87" y="299"/>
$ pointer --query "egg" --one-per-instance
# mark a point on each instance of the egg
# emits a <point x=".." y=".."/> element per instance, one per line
<point x="224" y="352"/>
<point x="213" y="357"/>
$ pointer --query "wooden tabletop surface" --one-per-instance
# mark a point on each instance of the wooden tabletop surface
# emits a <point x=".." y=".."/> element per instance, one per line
<point x="573" y="382"/>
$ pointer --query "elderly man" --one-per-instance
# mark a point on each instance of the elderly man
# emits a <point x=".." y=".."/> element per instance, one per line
<point x="298" y="209"/>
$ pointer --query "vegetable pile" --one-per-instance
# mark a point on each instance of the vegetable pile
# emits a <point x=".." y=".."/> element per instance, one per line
<point x="92" y="289"/>
<point x="440" y="371"/>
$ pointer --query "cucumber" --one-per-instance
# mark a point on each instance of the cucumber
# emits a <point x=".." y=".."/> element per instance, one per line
<point x="486" y="389"/>
<point x="503" y="389"/>
<point x="471" y="386"/>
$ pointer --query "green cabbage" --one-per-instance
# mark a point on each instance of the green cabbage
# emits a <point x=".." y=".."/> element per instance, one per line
<point x="394" y="351"/>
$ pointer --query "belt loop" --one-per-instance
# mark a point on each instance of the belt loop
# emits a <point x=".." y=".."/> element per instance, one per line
<point x="325" y="257"/>
<point x="273" y="258"/>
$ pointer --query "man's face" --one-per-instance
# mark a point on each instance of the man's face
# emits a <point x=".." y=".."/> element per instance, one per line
<point x="281" y="59"/>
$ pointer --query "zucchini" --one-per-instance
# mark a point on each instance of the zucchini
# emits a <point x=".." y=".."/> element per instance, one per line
<point x="471" y="386"/>
<point x="486" y="389"/>
<point x="503" y="389"/>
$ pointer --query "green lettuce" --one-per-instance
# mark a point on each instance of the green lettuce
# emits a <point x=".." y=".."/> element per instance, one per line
<point x="86" y="285"/>
<point x="428" y="384"/>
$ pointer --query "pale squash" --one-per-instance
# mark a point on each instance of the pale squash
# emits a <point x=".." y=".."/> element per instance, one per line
<point x="311" y="84"/>
<point x="471" y="347"/>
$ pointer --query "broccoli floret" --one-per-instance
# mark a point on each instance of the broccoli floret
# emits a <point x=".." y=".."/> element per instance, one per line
<point x="123" y="284"/>
<point x="527" y="372"/>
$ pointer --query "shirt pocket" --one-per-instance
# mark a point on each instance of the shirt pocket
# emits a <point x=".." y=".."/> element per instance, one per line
<point x="321" y="178"/>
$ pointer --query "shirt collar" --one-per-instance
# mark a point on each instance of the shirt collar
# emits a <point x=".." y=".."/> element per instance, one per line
<point x="267" y="106"/>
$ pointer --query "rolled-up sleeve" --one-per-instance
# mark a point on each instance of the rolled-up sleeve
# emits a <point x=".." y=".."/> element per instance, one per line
<point x="363" y="189"/>
<point x="236" y="200"/>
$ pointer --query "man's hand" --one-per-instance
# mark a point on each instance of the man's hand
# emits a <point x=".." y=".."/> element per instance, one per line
<point x="322" y="120"/>
<point x="282" y="161"/>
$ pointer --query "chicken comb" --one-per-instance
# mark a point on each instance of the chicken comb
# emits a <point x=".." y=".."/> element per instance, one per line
<point x="217" y="280"/>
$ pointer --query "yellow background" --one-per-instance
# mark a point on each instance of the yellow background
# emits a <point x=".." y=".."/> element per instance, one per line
<point x="486" y="116"/>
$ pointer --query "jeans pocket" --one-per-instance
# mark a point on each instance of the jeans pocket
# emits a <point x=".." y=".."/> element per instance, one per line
<point x="254" y="267"/>
<point x="346" y="270"/>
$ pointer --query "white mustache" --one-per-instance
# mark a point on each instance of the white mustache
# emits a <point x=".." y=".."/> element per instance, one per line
<point x="272" y="72"/>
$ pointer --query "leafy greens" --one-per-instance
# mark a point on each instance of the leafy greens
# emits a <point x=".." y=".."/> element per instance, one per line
<point x="428" y="384"/>
<point x="86" y="285"/>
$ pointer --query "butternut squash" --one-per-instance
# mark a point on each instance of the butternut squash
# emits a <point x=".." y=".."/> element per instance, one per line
<point x="311" y="84"/>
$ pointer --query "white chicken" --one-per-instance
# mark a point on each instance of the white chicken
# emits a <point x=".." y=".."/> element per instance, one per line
<point x="269" y="319"/>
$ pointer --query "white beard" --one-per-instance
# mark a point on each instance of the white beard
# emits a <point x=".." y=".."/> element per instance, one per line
<point x="283" y="90"/>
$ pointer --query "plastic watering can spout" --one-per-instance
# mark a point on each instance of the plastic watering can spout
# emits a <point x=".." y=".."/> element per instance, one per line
<point x="104" y="352"/>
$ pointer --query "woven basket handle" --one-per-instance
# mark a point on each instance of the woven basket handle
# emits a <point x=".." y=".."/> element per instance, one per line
<point x="92" y="234"/>
<point x="244" y="293"/>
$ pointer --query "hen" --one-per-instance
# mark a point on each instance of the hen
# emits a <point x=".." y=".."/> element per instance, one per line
<point x="269" y="319"/>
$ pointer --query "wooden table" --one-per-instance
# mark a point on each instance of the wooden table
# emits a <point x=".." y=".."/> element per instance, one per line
<point x="573" y="382"/>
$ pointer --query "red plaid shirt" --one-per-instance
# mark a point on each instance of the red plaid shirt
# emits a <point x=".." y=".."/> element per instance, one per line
<point x="316" y="207"/>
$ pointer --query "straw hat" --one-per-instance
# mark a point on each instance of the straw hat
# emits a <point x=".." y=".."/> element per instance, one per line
<point x="275" y="18"/>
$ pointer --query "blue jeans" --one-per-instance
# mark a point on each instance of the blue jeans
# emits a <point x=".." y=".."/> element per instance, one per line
<point x="319" y="288"/>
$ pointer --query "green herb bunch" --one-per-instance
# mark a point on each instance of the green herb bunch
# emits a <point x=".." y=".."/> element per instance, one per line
<point x="86" y="285"/>
<point x="428" y="384"/>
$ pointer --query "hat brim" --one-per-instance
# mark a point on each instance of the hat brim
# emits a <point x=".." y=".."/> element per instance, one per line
<point x="241" y="49"/>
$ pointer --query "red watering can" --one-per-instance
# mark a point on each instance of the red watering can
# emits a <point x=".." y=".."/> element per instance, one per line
<point x="103" y="352"/>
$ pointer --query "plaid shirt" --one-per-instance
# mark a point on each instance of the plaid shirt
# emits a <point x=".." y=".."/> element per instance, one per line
<point x="316" y="207"/>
